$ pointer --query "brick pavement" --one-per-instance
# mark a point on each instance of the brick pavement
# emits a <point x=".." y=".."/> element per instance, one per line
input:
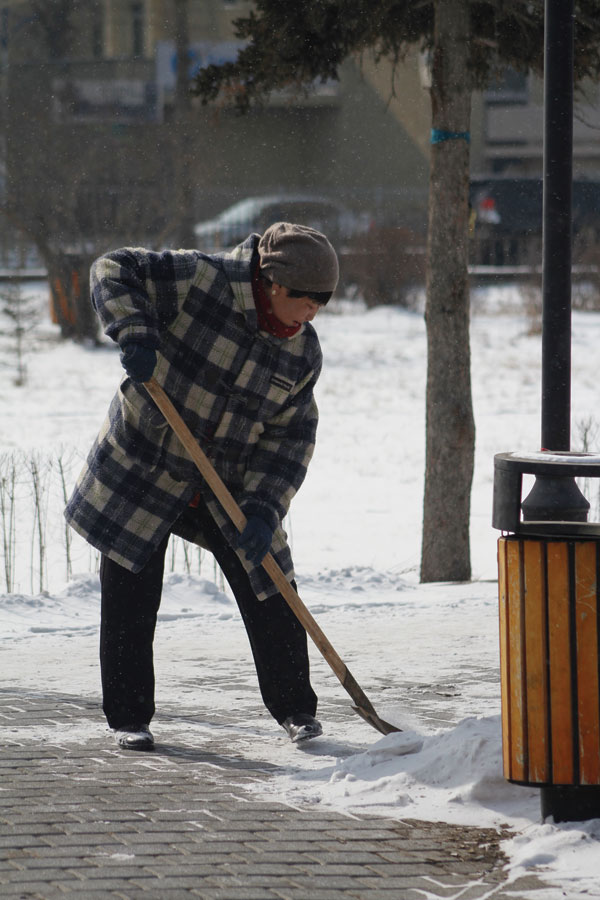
<point x="81" y="819"/>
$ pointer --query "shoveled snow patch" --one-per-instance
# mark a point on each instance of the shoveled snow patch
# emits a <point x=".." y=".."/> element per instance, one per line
<point x="452" y="776"/>
<point x="565" y="854"/>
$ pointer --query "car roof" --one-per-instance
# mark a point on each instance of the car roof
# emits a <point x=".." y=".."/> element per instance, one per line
<point x="251" y="205"/>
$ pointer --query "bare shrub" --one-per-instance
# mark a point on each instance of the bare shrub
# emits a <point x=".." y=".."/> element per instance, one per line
<point x="8" y="478"/>
<point x="586" y="272"/>
<point x="38" y="470"/>
<point x="61" y="467"/>
<point x="586" y="439"/>
<point x="37" y="547"/>
<point x="387" y="266"/>
<point x="18" y="316"/>
<point x="531" y="294"/>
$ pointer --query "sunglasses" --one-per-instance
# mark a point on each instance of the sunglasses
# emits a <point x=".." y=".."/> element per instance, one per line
<point x="317" y="296"/>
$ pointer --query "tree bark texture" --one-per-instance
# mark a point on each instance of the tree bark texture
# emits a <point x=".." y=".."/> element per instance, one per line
<point x="185" y="173"/>
<point x="71" y="308"/>
<point x="450" y="428"/>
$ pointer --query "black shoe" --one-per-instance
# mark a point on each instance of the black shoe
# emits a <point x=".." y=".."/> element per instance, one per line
<point x="134" y="737"/>
<point x="302" y="727"/>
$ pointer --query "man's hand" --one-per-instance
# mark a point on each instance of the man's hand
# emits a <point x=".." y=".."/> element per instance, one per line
<point x="255" y="540"/>
<point x="138" y="361"/>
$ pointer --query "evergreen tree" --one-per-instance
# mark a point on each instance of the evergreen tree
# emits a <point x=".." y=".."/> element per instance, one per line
<point x="18" y="316"/>
<point x="467" y="42"/>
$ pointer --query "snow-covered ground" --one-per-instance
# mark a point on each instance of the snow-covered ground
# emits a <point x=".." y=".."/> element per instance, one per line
<point x="425" y="654"/>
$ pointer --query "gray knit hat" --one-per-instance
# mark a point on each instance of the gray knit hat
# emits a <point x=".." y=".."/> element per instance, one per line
<point x="298" y="257"/>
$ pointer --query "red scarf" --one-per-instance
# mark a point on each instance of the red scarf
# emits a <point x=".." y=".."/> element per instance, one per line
<point x="267" y="320"/>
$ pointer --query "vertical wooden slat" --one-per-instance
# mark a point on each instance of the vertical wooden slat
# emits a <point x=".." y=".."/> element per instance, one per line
<point x="586" y="629"/>
<point x="537" y="719"/>
<point x="516" y="663"/>
<point x="559" y="653"/>
<point x="504" y="654"/>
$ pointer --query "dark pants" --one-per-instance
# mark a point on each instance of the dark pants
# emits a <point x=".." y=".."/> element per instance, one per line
<point x="130" y="604"/>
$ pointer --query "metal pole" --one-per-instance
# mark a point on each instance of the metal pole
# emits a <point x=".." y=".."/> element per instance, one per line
<point x="557" y="498"/>
<point x="557" y="192"/>
<point x="563" y="802"/>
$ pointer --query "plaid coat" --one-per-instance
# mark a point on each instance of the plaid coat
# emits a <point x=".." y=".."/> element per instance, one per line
<point x="246" y="395"/>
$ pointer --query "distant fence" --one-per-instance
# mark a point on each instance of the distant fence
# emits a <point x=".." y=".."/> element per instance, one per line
<point x="33" y="274"/>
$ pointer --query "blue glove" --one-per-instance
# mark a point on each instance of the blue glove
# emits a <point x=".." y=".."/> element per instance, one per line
<point x="138" y="361"/>
<point x="255" y="540"/>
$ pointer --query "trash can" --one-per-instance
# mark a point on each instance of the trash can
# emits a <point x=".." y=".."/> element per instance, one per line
<point x="549" y="609"/>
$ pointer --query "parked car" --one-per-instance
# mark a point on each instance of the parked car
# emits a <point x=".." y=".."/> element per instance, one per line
<point x="255" y="214"/>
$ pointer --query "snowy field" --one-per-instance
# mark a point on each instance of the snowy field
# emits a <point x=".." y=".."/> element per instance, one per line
<point x="426" y="655"/>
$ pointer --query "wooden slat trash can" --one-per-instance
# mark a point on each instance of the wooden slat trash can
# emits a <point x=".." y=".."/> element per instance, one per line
<point x="549" y="612"/>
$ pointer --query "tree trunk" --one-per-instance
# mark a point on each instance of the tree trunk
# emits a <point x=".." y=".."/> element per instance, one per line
<point x="450" y="429"/>
<point x="71" y="307"/>
<point x="183" y="150"/>
<point x="68" y="280"/>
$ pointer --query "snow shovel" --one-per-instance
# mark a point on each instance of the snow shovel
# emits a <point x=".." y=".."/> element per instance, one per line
<point x="363" y="705"/>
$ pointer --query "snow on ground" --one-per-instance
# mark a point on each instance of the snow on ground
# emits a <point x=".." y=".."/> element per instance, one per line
<point x="425" y="654"/>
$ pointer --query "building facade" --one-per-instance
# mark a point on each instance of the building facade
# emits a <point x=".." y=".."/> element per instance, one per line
<point x="99" y="145"/>
<point x="106" y="71"/>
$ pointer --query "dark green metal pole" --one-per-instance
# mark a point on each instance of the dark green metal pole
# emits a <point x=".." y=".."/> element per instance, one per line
<point x="563" y="802"/>
<point x="556" y="268"/>
<point x="557" y="498"/>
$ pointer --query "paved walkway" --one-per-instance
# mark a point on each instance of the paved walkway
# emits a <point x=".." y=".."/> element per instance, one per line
<point x="80" y="818"/>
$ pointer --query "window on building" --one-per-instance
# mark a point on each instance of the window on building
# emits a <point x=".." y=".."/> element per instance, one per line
<point x="97" y="32"/>
<point x="4" y="27"/>
<point x="509" y="86"/>
<point x="138" y="27"/>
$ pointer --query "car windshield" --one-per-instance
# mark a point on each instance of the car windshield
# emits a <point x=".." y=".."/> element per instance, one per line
<point x="242" y="211"/>
<point x="262" y="211"/>
<point x="298" y="211"/>
<point x="257" y="213"/>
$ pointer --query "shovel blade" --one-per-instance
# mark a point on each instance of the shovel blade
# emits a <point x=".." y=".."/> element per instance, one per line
<point x="375" y="721"/>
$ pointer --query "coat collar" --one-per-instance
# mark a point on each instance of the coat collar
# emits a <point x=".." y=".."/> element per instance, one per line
<point x="238" y="265"/>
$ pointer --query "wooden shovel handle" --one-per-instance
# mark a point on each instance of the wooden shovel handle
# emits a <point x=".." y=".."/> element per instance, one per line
<point x="223" y="495"/>
<point x="216" y="484"/>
